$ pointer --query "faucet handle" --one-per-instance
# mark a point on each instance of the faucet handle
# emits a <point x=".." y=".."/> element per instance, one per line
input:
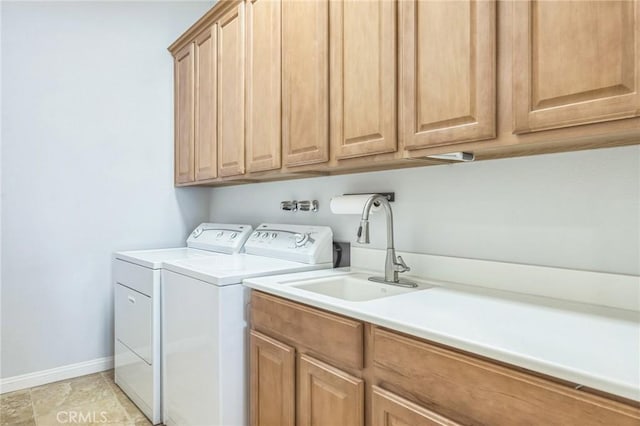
<point x="400" y="266"/>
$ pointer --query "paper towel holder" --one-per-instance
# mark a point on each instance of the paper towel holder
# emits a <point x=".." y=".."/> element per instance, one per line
<point x="390" y="196"/>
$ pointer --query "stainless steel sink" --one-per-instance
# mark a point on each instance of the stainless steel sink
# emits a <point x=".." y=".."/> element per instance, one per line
<point x="352" y="287"/>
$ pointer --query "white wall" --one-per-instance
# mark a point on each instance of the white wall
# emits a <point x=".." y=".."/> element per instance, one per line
<point x="86" y="167"/>
<point x="576" y="210"/>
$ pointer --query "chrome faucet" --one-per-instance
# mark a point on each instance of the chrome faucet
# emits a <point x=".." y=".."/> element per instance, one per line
<point x="392" y="265"/>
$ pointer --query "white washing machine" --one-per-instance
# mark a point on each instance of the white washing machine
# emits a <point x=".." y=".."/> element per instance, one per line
<point x="204" y="321"/>
<point x="137" y="309"/>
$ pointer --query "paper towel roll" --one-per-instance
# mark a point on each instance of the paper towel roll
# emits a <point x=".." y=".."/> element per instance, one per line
<point x="351" y="204"/>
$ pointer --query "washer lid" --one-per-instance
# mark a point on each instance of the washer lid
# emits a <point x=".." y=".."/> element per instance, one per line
<point x="226" y="270"/>
<point x="153" y="258"/>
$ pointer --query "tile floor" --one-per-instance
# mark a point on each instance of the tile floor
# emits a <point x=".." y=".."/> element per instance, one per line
<point x="86" y="400"/>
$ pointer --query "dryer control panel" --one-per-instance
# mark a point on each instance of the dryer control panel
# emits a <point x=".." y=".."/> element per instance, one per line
<point x="298" y="243"/>
<point x="219" y="237"/>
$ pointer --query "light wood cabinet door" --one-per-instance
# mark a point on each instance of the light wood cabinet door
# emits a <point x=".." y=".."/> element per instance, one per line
<point x="206" y="131"/>
<point x="183" y="115"/>
<point x="305" y="82"/>
<point x="272" y="381"/>
<point x="447" y="72"/>
<point x="363" y="77"/>
<point x="264" y="120"/>
<point x="231" y="42"/>
<point x="575" y="62"/>
<point x="389" y="409"/>
<point x="327" y="395"/>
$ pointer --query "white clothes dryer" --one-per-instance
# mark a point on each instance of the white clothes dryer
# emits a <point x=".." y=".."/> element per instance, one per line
<point x="137" y="309"/>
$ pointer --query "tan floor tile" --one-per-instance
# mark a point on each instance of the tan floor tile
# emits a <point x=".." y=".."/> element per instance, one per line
<point x="108" y="374"/>
<point x="70" y="393"/>
<point x="132" y="410"/>
<point x="87" y="400"/>
<point x="15" y="394"/>
<point x="136" y="416"/>
<point x="105" y="411"/>
<point x="30" y="422"/>
<point x="16" y="408"/>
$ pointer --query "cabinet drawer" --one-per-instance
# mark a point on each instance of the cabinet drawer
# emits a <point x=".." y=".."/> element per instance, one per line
<point x="334" y="337"/>
<point x="134" y="321"/>
<point x="133" y="276"/>
<point x="452" y="383"/>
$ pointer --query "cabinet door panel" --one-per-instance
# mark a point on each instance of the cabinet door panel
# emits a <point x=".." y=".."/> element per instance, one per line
<point x="272" y="381"/>
<point x="575" y="62"/>
<point x="183" y="72"/>
<point x="447" y="72"/>
<point x="231" y="93"/>
<point x="363" y="77"/>
<point x="389" y="409"/>
<point x="263" y="85"/>
<point x="205" y="106"/>
<point x="328" y="396"/>
<point x="305" y="82"/>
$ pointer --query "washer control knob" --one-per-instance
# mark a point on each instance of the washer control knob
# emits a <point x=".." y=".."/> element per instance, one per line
<point x="273" y="235"/>
<point x="255" y="234"/>
<point x="233" y="235"/>
<point x="301" y="239"/>
<point x="219" y="234"/>
<point x="265" y="235"/>
<point x="197" y="232"/>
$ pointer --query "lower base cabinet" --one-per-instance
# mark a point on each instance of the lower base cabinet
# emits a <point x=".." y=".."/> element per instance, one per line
<point x="325" y="395"/>
<point x="306" y="370"/>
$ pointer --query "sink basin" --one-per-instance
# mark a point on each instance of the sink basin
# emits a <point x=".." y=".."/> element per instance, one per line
<point x="352" y="287"/>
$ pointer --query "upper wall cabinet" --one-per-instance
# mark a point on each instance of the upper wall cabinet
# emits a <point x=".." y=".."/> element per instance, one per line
<point x="231" y="43"/>
<point x="205" y="124"/>
<point x="273" y="89"/>
<point x="305" y="82"/>
<point x="575" y="62"/>
<point x="263" y="119"/>
<point x="183" y="117"/>
<point x="447" y="72"/>
<point x="363" y="77"/>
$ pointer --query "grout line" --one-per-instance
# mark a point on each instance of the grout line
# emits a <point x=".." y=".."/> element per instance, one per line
<point x="106" y="380"/>
<point x="33" y="409"/>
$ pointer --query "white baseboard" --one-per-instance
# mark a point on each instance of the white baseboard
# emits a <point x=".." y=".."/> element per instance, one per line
<point x="43" y="377"/>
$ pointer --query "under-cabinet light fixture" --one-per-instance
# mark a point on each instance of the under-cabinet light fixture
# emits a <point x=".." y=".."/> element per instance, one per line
<point x="454" y="156"/>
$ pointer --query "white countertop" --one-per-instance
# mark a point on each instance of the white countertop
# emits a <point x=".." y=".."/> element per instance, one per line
<point x="590" y="345"/>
